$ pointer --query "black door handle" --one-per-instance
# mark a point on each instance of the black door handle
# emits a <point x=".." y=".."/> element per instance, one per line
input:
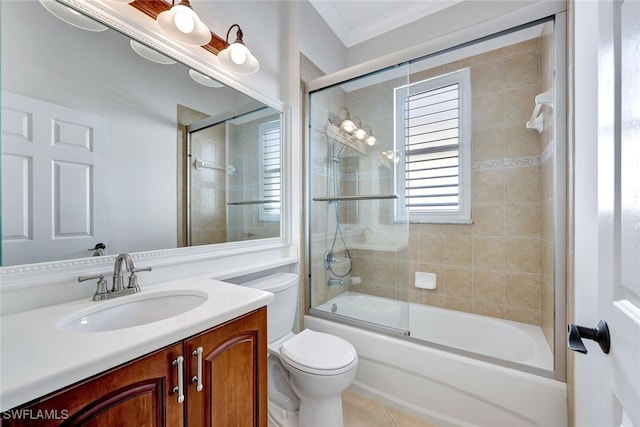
<point x="599" y="334"/>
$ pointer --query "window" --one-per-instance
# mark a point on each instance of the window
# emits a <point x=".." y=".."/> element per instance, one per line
<point x="433" y="178"/>
<point x="270" y="178"/>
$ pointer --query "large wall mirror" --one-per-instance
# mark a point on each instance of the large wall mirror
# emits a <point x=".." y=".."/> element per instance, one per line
<point x="107" y="143"/>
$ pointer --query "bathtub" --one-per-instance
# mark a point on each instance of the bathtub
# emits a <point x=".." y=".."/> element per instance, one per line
<point x="449" y="387"/>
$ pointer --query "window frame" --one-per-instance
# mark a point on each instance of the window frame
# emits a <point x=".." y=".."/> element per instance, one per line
<point x="263" y="213"/>
<point x="462" y="214"/>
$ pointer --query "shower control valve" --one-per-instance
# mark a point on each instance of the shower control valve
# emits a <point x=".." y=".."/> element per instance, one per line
<point x="329" y="260"/>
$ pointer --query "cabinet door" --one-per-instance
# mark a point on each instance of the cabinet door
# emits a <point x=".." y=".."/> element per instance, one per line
<point x="234" y="379"/>
<point x="138" y="394"/>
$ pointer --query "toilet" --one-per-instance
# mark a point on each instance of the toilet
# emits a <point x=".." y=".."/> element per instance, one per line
<point x="306" y="372"/>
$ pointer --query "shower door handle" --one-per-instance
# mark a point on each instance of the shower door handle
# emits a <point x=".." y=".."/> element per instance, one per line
<point x="599" y="334"/>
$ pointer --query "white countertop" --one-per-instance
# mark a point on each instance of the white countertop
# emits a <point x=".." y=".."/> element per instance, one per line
<point x="38" y="358"/>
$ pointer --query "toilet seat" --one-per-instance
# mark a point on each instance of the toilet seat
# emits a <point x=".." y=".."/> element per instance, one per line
<point x="318" y="353"/>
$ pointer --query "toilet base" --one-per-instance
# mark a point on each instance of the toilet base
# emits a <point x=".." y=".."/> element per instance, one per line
<point x="281" y="417"/>
<point x="321" y="412"/>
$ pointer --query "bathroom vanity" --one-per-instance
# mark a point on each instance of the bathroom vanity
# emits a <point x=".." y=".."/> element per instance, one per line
<point x="170" y="372"/>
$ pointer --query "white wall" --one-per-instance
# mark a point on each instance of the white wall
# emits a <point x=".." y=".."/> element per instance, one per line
<point x="319" y="43"/>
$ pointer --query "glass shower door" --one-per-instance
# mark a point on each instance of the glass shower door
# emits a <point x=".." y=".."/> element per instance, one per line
<point x="358" y="249"/>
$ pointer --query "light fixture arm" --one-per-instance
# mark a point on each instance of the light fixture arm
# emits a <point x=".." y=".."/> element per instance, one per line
<point x="239" y="34"/>
<point x="236" y="56"/>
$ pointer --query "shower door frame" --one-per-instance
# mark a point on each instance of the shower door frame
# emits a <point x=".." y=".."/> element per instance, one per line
<point x="536" y="14"/>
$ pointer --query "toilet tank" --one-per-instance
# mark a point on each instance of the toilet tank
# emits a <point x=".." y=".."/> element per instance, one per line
<point x="282" y="312"/>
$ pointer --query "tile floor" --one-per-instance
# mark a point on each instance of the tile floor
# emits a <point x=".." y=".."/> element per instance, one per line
<point x="360" y="411"/>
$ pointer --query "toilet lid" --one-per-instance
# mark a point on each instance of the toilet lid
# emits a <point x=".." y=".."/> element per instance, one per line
<point x="318" y="351"/>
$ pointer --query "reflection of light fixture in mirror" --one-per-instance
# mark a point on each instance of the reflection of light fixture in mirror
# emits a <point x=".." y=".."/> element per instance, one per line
<point x="182" y="24"/>
<point x="359" y="133"/>
<point x="236" y="57"/>
<point x="204" y="80"/>
<point x="370" y="139"/>
<point x="346" y="124"/>
<point x="71" y="16"/>
<point x="391" y="155"/>
<point x="149" y="53"/>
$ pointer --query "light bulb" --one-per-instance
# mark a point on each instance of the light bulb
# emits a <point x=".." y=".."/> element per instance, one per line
<point x="184" y="19"/>
<point x="238" y="53"/>
<point x="371" y="140"/>
<point x="361" y="134"/>
<point x="347" y="125"/>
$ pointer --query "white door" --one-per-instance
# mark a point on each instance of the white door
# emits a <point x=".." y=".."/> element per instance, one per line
<point x="54" y="198"/>
<point x="607" y="206"/>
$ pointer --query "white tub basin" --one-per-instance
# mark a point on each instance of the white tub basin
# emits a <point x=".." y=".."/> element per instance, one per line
<point x="133" y="310"/>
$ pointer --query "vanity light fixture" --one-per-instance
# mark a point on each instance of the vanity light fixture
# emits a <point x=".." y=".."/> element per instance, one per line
<point x="204" y="80"/>
<point x="346" y="124"/>
<point x="71" y="16"/>
<point x="182" y="24"/>
<point x="236" y="56"/>
<point x="392" y="155"/>
<point x="359" y="133"/>
<point x="150" y="54"/>
<point x="370" y="139"/>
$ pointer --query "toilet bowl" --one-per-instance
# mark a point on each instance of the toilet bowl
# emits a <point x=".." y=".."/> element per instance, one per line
<point x="307" y="371"/>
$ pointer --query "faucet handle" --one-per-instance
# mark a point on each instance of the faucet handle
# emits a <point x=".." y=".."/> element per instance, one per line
<point x="101" y="290"/>
<point x="133" y="278"/>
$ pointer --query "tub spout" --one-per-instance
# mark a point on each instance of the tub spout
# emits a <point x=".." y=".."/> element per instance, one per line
<point x="333" y="281"/>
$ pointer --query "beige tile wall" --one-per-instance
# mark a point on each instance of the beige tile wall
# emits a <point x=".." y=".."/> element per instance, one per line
<point x="493" y="266"/>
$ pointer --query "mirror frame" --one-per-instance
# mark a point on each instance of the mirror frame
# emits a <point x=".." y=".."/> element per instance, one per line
<point x="136" y="25"/>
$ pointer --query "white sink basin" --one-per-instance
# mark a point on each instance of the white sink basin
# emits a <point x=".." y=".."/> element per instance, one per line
<point x="130" y="311"/>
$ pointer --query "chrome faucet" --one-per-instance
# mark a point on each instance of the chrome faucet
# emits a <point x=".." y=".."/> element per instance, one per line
<point x="332" y="281"/>
<point x="118" y="285"/>
<point x="117" y="288"/>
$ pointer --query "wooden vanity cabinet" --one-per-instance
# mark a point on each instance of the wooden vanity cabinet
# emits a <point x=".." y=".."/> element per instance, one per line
<point x="141" y="393"/>
<point x="138" y="393"/>
<point x="234" y="392"/>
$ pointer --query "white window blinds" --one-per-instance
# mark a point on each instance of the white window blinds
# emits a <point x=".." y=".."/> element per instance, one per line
<point x="271" y="180"/>
<point x="432" y="129"/>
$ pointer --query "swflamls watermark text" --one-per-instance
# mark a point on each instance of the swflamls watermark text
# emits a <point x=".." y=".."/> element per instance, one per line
<point x="35" y="414"/>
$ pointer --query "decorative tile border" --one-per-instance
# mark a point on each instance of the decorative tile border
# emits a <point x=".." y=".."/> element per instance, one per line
<point x="520" y="162"/>
<point x="323" y="171"/>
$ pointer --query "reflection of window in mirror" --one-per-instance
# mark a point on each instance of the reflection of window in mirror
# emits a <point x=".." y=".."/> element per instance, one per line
<point x="433" y="167"/>
<point x="270" y="176"/>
